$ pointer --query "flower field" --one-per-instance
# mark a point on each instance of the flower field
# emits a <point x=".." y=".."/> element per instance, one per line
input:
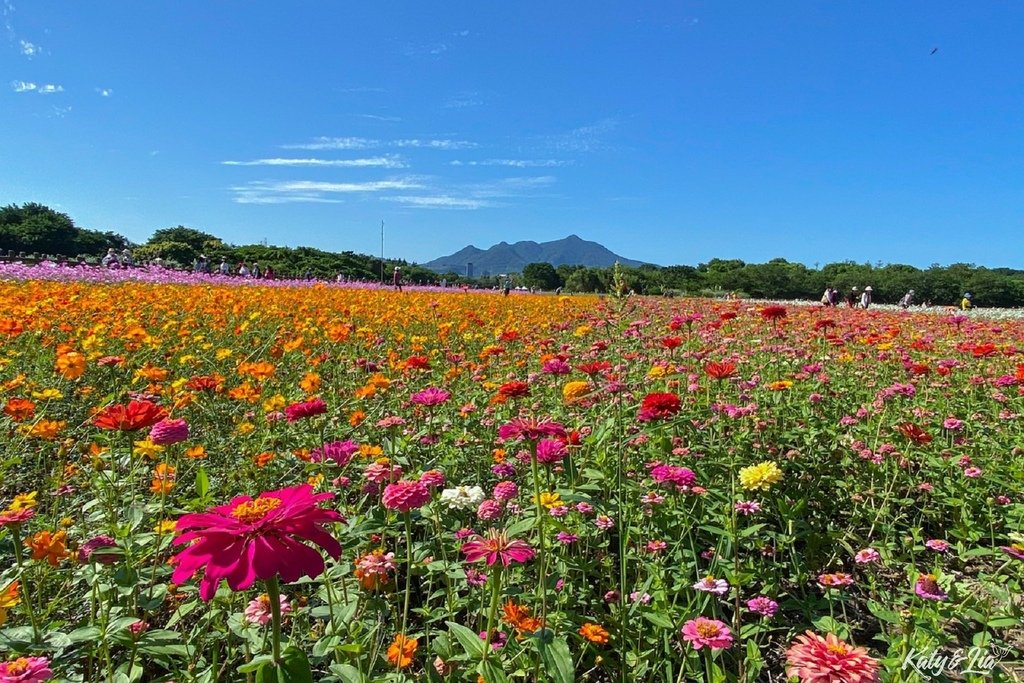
<point x="212" y="482"/>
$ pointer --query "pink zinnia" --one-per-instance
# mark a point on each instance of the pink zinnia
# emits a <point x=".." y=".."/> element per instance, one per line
<point x="337" y="452"/>
<point x="937" y="545"/>
<point x="681" y="478"/>
<point x="258" y="610"/>
<point x="90" y="550"/>
<point x="496" y="547"/>
<point x="432" y="479"/>
<point x="168" y="431"/>
<point x="866" y="556"/>
<point x="703" y="632"/>
<point x="405" y="496"/>
<point x="11" y="517"/>
<point x="834" y="580"/>
<point x="710" y="584"/>
<point x="505" y="490"/>
<point x="299" y="411"/>
<point x="489" y="509"/>
<point x="814" y="659"/>
<point x="256" y="539"/>
<point x="748" y="507"/>
<point x="764" y="606"/>
<point x="928" y="587"/>
<point x="430" y="397"/>
<point x="25" y="670"/>
<point x="529" y="429"/>
<point x="550" y="451"/>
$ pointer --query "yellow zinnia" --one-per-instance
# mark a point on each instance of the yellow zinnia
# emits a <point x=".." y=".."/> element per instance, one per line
<point x="760" y="476"/>
<point x="574" y="391"/>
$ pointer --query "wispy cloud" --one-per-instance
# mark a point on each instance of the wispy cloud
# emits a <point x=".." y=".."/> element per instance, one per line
<point x="361" y="88"/>
<point x="105" y="92"/>
<point x="587" y="138"/>
<point x="22" y="86"/>
<point x="475" y="196"/>
<point x="282" y="192"/>
<point x="28" y="49"/>
<point x="439" y="202"/>
<point x="426" y="49"/>
<point x="378" y="117"/>
<point x="324" y="143"/>
<point x="391" y="161"/>
<point x="335" y="143"/>
<point x="50" y="89"/>
<point x="514" y="163"/>
<point x="467" y="98"/>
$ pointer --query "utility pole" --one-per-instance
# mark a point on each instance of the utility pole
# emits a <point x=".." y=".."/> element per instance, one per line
<point x="382" y="252"/>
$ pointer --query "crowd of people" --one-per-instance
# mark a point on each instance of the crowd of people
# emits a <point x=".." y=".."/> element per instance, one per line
<point x="862" y="299"/>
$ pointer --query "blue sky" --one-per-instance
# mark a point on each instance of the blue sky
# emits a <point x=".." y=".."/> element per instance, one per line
<point x="672" y="132"/>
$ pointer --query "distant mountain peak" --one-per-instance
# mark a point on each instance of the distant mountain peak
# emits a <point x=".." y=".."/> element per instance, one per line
<point x="512" y="258"/>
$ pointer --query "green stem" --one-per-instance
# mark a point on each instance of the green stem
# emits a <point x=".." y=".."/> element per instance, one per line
<point x="542" y="555"/>
<point x="274" y="595"/>
<point x="19" y="559"/>
<point x="408" y="571"/>
<point x="493" y="612"/>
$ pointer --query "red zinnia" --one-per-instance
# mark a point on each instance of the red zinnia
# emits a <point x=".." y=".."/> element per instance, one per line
<point x="298" y="411"/>
<point x="594" y="368"/>
<point x="914" y="433"/>
<point x="720" y="370"/>
<point x="773" y="312"/>
<point x="659" y="407"/>
<point x="250" y="539"/>
<point x="513" y="389"/>
<point x="136" y="415"/>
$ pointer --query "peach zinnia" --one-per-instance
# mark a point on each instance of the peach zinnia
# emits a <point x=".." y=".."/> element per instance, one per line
<point x="814" y="659"/>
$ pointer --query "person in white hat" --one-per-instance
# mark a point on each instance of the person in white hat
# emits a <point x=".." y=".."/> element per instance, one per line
<point x="865" y="298"/>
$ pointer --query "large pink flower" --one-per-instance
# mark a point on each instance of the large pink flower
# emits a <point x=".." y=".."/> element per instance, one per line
<point x="431" y="396"/>
<point x="495" y="547"/>
<point x="167" y="432"/>
<point x="299" y="411"/>
<point x="814" y="659"/>
<point x="337" y="452"/>
<point x="405" y="495"/>
<point x="703" y="632"/>
<point x="249" y="539"/>
<point x="530" y="429"/>
<point x="25" y="670"/>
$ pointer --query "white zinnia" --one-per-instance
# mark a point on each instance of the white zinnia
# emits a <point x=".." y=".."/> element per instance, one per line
<point x="462" y="497"/>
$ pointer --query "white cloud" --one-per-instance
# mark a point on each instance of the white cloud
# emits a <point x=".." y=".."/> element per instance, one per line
<point x="377" y="117"/>
<point x="468" y="98"/>
<point x="335" y="143"/>
<point x="390" y="161"/>
<point x="105" y="92"/>
<point x="583" y="139"/>
<point x="282" y="192"/>
<point x="324" y="143"/>
<point x="440" y="202"/>
<point x="22" y="86"/>
<point x="49" y="89"/>
<point x="514" y="163"/>
<point x="28" y="49"/>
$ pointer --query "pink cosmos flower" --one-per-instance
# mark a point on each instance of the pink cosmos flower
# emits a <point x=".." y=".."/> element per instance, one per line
<point x="748" y="507"/>
<point x="711" y="633"/>
<point x="495" y="546"/>
<point x="937" y="545"/>
<point x="299" y="411"/>
<point x="256" y="539"/>
<point x="814" y="659"/>
<point x="25" y="670"/>
<point x="405" y="495"/>
<point x="430" y="397"/>
<point x="168" y="431"/>
<point x="258" y="611"/>
<point x="337" y="452"/>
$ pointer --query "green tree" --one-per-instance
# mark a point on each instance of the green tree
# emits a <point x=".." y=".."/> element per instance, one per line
<point x="541" y="276"/>
<point x="197" y="239"/>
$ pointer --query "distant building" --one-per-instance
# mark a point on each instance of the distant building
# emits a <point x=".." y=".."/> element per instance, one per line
<point x="469" y="269"/>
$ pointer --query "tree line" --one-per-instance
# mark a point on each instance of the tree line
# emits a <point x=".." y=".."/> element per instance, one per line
<point x="35" y="228"/>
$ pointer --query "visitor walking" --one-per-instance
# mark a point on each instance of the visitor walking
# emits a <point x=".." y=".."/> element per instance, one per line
<point x="967" y="303"/>
<point x="852" y="298"/>
<point x="908" y="300"/>
<point x="865" y="298"/>
<point x="396" y="279"/>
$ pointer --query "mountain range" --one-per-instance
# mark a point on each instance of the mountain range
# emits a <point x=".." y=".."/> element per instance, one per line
<point x="511" y="258"/>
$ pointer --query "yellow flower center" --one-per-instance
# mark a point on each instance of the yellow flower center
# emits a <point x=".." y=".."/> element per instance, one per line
<point x="838" y="648"/>
<point x="255" y="510"/>
<point x="708" y="630"/>
<point x="17" y="667"/>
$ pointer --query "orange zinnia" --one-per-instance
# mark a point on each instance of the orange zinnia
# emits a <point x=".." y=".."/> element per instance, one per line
<point x="595" y="633"/>
<point x="48" y="546"/>
<point x="402" y="650"/>
<point x="20" y="409"/>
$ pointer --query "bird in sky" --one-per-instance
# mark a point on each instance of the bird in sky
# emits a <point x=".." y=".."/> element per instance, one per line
<point x="934" y="50"/>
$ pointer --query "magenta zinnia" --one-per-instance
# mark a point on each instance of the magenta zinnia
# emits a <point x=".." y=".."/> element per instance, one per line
<point x="814" y="659"/>
<point x="167" y="432"/>
<point x="298" y="411"/>
<point x="496" y="547"/>
<point x="703" y="632"/>
<point x="530" y="429"/>
<point x="431" y="396"/>
<point x="405" y="495"/>
<point x="25" y="670"/>
<point x="250" y="539"/>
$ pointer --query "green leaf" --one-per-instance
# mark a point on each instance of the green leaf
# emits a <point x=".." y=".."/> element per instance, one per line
<point x="830" y="625"/>
<point x="883" y="613"/>
<point x="347" y="673"/>
<point x="470" y="641"/>
<point x="658" y="619"/>
<point x="555" y="655"/>
<point x="202" y="483"/>
<point x="492" y="672"/>
<point x="754" y="661"/>
<point x="294" y="668"/>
